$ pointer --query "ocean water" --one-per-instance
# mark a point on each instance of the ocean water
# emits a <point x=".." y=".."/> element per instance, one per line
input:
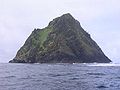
<point x="59" y="76"/>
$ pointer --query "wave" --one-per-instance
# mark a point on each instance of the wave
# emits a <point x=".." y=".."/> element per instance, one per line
<point x="104" y="64"/>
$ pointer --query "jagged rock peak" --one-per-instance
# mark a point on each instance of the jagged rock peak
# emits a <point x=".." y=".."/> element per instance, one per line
<point x="64" y="19"/>
<point x="67" y="16"/>
<point x="62" y="41"/>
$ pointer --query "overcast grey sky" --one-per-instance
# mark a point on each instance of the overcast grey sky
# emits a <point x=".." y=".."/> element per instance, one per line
<point x="18" y="18"/>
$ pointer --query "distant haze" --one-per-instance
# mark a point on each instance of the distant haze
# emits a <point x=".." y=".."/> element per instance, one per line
<point x="18" y="18"/>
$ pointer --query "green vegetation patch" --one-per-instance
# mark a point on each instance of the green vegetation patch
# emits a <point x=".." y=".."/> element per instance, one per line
<point x="36" y="40"/>
<point x="43" y="35"/>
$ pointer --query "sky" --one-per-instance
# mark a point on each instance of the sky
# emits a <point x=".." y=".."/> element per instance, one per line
<point x="18" y="18"/>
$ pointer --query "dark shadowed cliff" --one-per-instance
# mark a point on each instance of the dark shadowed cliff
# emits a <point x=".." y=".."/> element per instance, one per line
<point x="62" y="41"/>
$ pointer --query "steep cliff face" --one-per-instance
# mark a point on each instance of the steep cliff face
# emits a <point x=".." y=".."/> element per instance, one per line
<point x="62" y="41"/>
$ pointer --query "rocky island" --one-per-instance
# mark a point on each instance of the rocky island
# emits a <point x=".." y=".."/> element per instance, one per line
<point x="62" y="41"/>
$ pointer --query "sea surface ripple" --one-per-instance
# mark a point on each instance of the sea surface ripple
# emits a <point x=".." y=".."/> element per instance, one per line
<point x="59" y="76"/>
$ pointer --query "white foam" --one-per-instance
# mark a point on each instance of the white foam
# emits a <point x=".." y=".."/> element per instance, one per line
<point x="104" y="64"/>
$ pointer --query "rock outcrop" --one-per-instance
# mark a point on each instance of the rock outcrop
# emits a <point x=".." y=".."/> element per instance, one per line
<point x="62" y="41"/>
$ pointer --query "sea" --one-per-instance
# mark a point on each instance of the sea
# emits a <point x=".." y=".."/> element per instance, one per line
<point x="74" y="76"/>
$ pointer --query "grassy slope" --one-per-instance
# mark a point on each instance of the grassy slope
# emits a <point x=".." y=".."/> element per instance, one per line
<point x="36" y="39"/>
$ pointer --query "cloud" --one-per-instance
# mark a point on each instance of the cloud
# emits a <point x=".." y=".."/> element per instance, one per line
<point x="19" y="17"/>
